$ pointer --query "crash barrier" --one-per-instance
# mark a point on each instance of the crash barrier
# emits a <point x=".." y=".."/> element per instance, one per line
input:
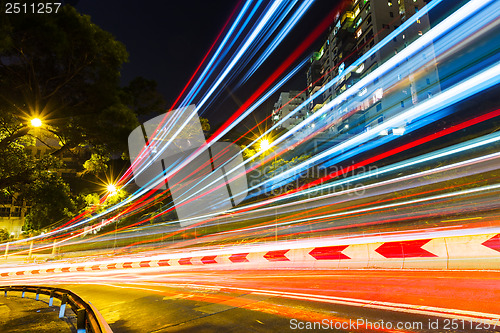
<point x="88" y="319"/>
<point x="419" y="250"/>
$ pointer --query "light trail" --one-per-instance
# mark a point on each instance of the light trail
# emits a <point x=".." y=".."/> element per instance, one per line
<point x="476" y="143"/>
<point x="86" y="221"/>
<point x="459" y="148"/>
<point x="492" y="159"/>
<point x="428" y="187"/>
<point x="159" y="178"/>
<point x="297" y="15"/>
<point x="459" y="92"/>
<point x="412" y="49"/>
<point x="467" y="87"/>
<point x="449" y="45"/>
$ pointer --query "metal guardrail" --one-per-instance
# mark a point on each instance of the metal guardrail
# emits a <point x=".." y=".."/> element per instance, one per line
<point x="88" y="319"/>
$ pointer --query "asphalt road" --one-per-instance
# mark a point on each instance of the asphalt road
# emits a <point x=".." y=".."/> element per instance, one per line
<point x="141" y="308"/>
<point x="285" y="301"/>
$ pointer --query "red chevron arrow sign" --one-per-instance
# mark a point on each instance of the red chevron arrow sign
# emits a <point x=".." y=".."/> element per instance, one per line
<point x="163" y="262"/>
<point x="239" y="257"/>
<point x="145" y="263"/>
<point x="278" y="255"/>
<point x="208" y="260"/>
<point x="493" y="243"/>
<point x="405" y="249"/>
<point x="127" y="265"/>
<point x="329" y="252"/>
<point x="185" y="261"/>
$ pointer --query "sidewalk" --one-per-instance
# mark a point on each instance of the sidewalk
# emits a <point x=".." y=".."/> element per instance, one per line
<point x="28" y="315"/>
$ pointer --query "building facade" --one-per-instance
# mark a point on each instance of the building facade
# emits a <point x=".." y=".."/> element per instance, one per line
<point x="286" y="103"/>
<point x="362" y="25"/>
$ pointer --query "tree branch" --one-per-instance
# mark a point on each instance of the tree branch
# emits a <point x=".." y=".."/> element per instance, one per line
<point x="11" y="138"/>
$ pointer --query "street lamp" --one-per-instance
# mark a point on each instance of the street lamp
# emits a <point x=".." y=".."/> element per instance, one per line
<point x="36" y="122"/>
<point x="111" y="189"/>
<point x="264" y="144"/>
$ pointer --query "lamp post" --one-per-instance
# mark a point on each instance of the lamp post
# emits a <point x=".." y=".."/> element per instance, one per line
<point x="36" y="122"/>
<point x="264" y="146"/>
<point x="111" y="188"/>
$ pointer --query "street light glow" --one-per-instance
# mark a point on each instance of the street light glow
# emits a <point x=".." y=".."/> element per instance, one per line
<point x="111" y="189"/>
<point x="36" y="122"/>
<point x="264" y="145"/>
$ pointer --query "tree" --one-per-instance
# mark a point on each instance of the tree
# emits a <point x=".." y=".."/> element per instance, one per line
<point x="50" y="200"/>
<point x="248" y="152"/>
<point x="65" y="70"/>
<point x="142" y="96"/>
<point x="4" y="235"/>
<point x="96" y="164"/>
<point x="280" y="166"/>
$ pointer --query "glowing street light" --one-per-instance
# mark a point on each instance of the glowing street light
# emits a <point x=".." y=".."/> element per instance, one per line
<point x="264" y="144"/>
<point x="36" y="122"/>
<point x="111" y="189"/>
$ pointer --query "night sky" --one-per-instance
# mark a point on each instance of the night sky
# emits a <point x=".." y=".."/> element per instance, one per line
<point x="167" y="40"/>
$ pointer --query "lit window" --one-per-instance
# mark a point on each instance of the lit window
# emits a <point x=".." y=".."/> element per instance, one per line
<point x="398" y="131"/>
<point x="418" y="21"/>
<point x="379" y="93"/>
<point x="389" y="3"/>
<point x="360" y="68"/>
<point x="358" y="33"/>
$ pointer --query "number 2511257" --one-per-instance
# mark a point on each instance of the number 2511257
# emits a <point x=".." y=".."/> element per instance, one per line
<point x="32" y="8"/>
